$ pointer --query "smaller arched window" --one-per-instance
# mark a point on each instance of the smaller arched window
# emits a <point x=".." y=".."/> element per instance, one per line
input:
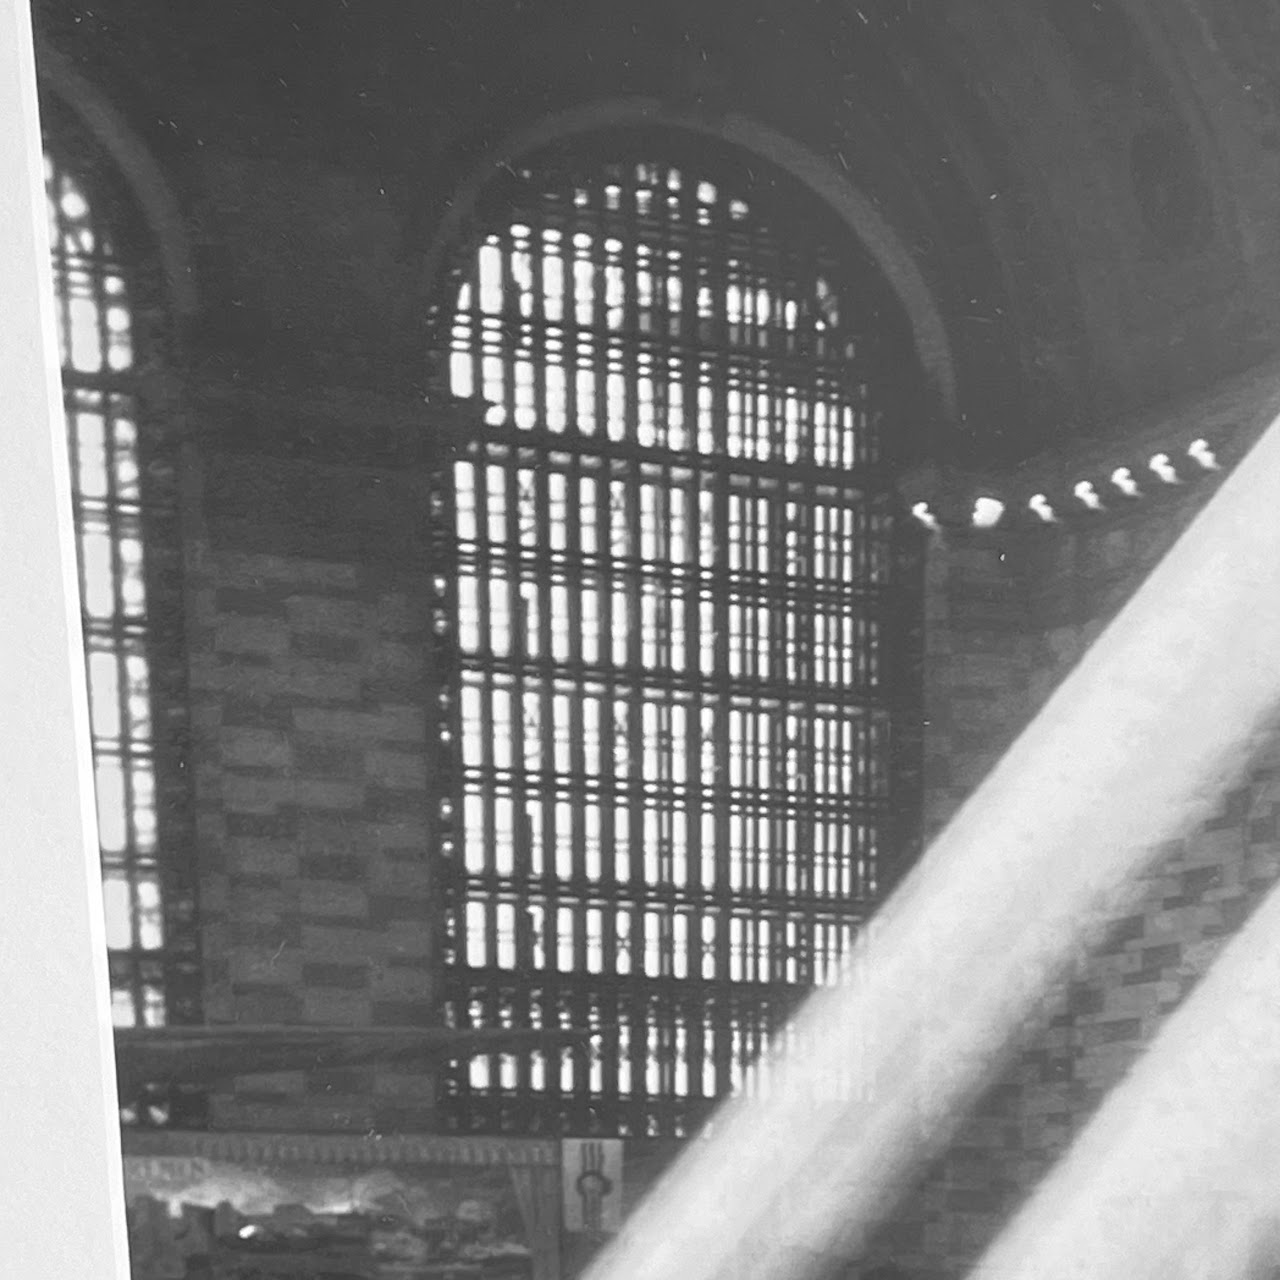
<point x="124" y="490"/>
<point x="680" y="627"/>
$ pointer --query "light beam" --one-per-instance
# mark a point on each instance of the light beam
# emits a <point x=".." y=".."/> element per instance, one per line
<point x="1132" y="750"/>
<point x="1178" y="1175"/>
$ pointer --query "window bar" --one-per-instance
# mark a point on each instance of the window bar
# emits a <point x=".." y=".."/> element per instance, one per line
<point x="515" y="874"/>
<point x="448" y="827"/>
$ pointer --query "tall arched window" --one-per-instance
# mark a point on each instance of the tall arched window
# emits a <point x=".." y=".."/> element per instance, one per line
<point x="678" y="629"/>
<point x="124" y="484"/>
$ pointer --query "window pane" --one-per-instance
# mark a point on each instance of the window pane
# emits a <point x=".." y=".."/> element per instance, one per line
<point x="95" y="324"/>
<point x="669" y="644"/>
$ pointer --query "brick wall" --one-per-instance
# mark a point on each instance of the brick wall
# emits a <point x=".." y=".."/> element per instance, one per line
<point x="310" y="693"/>
<point x="979" y="662"/>
<point x="1003" y="633"/>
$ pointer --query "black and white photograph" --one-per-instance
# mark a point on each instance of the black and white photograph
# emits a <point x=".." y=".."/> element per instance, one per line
<point x="643" y="639"/>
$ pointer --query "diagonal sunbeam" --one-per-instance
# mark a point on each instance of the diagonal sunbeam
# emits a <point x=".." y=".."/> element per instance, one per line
<point x="1178" y="1175"/>
<point x="1132" y="749"/>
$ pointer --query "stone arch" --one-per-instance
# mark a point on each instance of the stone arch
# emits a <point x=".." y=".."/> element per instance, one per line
<point x="137" y="168"/>
<point x="877" y="238"/>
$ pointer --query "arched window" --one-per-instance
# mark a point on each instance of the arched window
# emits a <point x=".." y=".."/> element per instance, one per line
<point x="125" y="505"/>
<point x="680" y="626"/>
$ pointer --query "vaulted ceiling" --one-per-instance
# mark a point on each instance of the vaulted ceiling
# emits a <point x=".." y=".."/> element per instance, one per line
<point x="1086" y="186"/>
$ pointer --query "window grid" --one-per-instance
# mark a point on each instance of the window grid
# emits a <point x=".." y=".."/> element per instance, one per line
<point x="673" y="562"/>
<point x="124" y="504"/>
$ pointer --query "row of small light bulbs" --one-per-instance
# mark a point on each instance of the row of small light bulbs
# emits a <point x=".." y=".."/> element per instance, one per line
<point x="989" y="511"/>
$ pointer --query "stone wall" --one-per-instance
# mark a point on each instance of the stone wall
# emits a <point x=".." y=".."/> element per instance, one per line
<point x="1057" y="587"/>
<point x="978" y="668"/>
<point x="309" y="674"/>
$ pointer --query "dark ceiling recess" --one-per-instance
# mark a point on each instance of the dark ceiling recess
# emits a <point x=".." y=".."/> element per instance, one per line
<point x="1100" y="37"/>
<point x="1172" y="196"/>
<point x="317" y="146"/>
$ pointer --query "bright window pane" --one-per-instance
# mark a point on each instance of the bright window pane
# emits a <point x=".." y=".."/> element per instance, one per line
<point x="95" y="326"/>
<point x="670" y="613"/>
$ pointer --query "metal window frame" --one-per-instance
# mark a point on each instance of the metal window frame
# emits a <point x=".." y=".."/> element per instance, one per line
<point x="158" y="635"/>
<point x="630" y="1084"/>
